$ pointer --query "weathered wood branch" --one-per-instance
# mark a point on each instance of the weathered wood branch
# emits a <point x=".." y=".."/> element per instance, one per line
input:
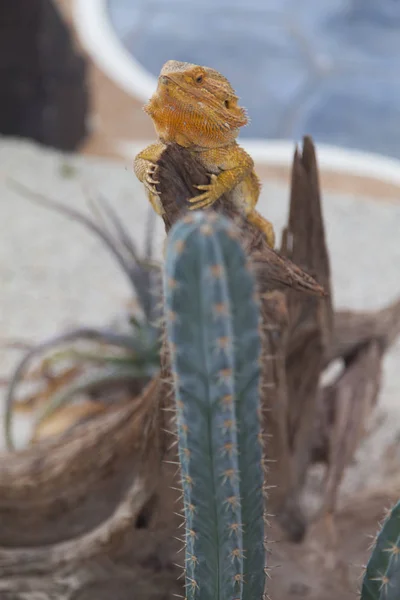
<point x="355" y="395"/>
<point x="352" y="330"/>
<point x="310" y="319"/>
<point x="90" y="498"/>
<point x="178" y="173"/>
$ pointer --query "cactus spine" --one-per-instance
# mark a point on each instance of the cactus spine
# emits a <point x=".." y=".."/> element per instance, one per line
<point x="382" y="577"/>
<point x="213" y="332"/>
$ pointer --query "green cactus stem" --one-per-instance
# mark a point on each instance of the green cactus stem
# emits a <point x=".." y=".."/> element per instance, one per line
<point x="213" y="331"/>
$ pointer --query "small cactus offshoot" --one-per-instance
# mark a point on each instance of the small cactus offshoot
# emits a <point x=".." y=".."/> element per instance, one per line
<point x="213" y="320"/>
<point x="382" y="577"/>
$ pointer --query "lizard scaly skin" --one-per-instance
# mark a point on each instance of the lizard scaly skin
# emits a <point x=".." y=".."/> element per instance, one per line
<point x="197" y="108"/>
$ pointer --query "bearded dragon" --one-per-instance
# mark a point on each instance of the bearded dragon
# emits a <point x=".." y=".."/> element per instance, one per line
<point x="197" y="108"/>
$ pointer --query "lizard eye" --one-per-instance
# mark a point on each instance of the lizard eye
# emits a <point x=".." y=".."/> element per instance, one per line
<point x="199" y="78"/>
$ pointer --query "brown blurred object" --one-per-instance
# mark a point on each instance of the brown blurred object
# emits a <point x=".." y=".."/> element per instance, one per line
<point x="66" y="418"/>
<point x="91" y="515"/>
<point x="43" y="89"/>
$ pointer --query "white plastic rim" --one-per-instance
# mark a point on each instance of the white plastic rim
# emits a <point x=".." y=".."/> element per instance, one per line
<point x="101" y="42"/>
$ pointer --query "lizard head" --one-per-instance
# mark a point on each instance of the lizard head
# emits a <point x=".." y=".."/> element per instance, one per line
<point x="195" y="105"/>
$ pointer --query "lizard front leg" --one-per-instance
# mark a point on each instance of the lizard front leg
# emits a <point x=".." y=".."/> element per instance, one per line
<point x="233" y="164"/>
<point x="145" y="167"/>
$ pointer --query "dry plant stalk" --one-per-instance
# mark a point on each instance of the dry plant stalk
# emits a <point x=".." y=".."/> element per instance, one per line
<point x="90" y="515"/>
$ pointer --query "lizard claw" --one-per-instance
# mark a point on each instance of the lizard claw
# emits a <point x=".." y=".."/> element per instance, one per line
<point x="202" y="201"/>
<point x="149" y="181"/>
<point x="209" y="196"/>
<point x="206" y="186"/>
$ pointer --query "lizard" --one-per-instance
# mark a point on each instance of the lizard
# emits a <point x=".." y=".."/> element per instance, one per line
<point x="197" y="108"/>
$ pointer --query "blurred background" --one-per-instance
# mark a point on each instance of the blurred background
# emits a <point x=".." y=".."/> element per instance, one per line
<point x="329" y="69"/>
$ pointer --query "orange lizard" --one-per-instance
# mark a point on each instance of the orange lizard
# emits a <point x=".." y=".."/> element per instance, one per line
<point x="197" y="108"/>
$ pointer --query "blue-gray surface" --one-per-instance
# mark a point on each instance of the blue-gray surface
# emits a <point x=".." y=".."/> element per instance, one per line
<point x="329" y="68"/>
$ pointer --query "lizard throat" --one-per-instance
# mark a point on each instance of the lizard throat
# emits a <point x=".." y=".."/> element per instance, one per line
<point x="181" y="123"/>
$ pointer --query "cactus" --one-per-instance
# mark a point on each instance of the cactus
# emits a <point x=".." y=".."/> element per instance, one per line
<point x="212" y="319"/>
<point x="382" y="577"/>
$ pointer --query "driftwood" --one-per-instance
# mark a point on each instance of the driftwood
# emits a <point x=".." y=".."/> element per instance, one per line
<point x="310" y="320"/>
<point x="84" y="516"/>
<point x="91" y="516"/>
<point x="178" y="171"/>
